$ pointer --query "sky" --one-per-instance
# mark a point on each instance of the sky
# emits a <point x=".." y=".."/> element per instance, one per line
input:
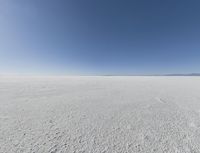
<point x="99" y="37"/>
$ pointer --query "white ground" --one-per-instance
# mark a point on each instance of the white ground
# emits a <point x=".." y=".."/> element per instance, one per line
<point x="100" y="114"/>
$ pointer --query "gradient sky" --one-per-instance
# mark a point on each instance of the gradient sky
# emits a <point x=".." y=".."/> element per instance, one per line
<point x="92" y="37"/>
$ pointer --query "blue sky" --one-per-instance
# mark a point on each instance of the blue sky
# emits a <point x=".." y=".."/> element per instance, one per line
<point x="99" y="37"/>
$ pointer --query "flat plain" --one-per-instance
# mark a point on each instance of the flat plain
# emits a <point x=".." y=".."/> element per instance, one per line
<point x="100" y="114"/>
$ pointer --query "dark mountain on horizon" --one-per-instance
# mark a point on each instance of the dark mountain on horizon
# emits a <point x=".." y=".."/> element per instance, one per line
<point x="170" y="74"/>
<point x="186" y="74"/>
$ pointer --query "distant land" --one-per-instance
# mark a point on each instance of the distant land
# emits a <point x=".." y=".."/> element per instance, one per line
<point x="171" y="74"/>
<point x="189" y="74"/>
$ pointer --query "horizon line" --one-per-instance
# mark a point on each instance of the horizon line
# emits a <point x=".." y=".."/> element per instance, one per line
<point x="71" y="75"/>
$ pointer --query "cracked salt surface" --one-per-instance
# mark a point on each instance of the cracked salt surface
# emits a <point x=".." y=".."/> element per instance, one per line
<point x="99" y="114"/>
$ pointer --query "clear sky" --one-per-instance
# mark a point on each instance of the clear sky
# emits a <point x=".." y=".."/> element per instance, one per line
<point x="99" y="37"/>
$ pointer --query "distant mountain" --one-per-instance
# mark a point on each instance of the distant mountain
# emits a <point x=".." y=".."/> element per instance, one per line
<point x="188" y="74"/>
<point x="172" y="74"/>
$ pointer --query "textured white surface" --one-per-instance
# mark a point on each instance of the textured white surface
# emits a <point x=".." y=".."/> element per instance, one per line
<point x="100" y="114"/>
